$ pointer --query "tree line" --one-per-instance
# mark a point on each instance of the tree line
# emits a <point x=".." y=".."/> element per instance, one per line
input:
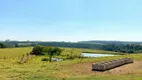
<point x="129" y="48"/>
<point x="125" y="48"/>
<point x="6" y="45"/>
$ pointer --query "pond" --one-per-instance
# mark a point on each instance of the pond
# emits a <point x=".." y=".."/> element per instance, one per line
<point x="96" y="55"/>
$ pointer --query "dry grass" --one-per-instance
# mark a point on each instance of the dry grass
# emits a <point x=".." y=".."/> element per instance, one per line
<point x="86" y="69"/>
<point x="77" y="69"/>
<point x="14" y="52"/>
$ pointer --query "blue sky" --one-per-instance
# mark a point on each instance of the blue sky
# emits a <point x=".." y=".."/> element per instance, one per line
<point x="71" y="20"/>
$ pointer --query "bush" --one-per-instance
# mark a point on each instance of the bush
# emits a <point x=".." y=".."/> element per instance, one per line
<point x="37" y="50"/>
<point x="52" y="51"/>
<point x="45" y="59"/>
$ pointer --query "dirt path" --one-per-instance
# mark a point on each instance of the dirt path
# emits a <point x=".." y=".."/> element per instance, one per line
<point x="86" y="68"/>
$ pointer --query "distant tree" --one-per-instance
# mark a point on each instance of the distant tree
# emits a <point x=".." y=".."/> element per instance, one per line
<point x="51" y="51"/>
<point x="130" y="51"/>
<point x="37" y="50"/>
<point x="16" y="45"/>
<point x="2" y="45"/>
<point x="8" y="40"/>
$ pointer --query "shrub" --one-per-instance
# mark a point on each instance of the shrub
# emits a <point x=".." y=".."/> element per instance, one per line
<point x="51" y="51"/>
<point x="37" y="50"/>
<point x="44" y="59"/>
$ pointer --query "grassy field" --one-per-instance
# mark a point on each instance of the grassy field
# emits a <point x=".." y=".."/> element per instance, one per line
<point x="75" y="69"/>
<point x="14" y="52"/>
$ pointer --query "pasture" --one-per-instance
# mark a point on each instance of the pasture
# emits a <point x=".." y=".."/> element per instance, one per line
<point x="69" y="69"/>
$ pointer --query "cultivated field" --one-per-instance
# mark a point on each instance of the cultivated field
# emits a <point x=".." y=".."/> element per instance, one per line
<point x="70" y="69"/>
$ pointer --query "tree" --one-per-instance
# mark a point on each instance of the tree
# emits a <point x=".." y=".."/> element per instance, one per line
<point x="51" y="51"/>
<point x="37" y="50"/>
<point x="3" y="45"/>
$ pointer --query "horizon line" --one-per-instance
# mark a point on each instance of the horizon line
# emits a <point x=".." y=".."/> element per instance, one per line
<point x="66" y="41"/>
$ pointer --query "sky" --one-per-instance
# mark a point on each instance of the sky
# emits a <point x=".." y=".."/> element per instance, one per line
<point x="71" y="20"/>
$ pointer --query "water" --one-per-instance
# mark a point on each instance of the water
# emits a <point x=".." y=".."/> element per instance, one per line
<point x="96" y="55"/>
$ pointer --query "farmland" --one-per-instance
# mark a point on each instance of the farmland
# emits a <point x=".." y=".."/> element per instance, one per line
<point x="70" y="69"/>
